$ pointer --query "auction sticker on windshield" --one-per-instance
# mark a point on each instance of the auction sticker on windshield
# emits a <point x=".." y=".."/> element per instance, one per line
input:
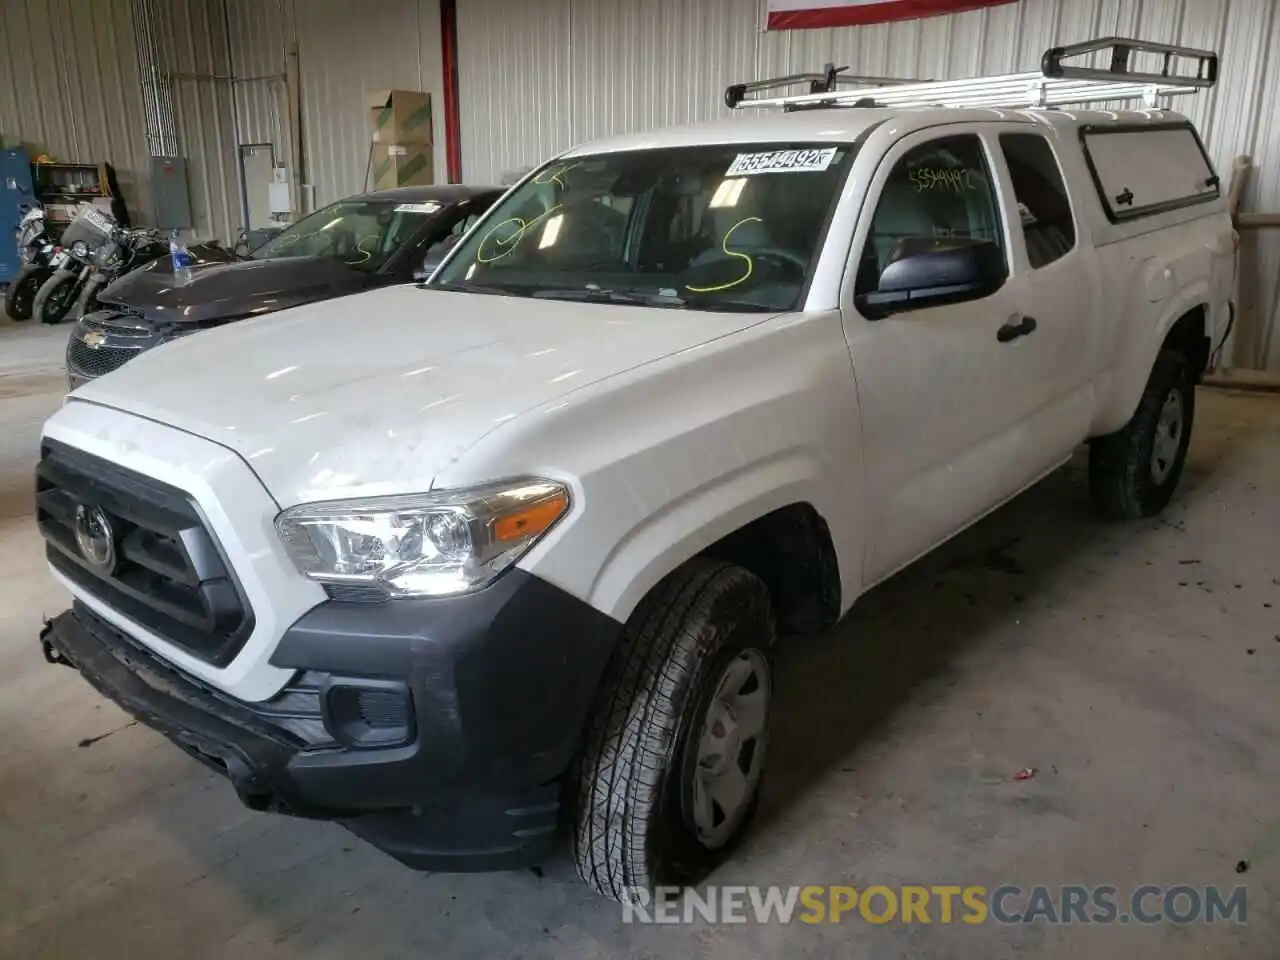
<point x="782" y="161"/>
<point x="429" y="207"/>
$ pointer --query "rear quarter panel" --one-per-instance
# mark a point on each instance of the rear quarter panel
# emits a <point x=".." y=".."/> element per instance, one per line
<point x="1153" y="274"/>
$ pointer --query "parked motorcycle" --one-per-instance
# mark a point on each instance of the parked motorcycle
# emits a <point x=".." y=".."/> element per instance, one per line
<point x="88" y="230"/>
<point x="124" y="251"/>
<point x="37" y="246"/>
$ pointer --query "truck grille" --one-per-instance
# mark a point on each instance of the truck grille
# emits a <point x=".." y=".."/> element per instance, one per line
<point x="163" y="568"/>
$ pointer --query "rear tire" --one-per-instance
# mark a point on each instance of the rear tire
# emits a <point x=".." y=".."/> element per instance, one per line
<point x="673" y="756"/>
<point x="19" y="298"/>
<point x="56" y="297"/>
<point x="1134" y="471"/>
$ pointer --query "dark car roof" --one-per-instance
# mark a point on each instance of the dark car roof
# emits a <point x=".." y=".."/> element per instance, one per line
<point x="444" y="193"/>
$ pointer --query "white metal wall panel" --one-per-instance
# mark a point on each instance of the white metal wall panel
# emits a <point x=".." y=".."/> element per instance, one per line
<point x="69" y="86"/>
<point x="514" y="78"/>
<point x="541" y="75"/>
<point x="347" y="48"/>
<point x="260" y="33"/>
<point x="196" y="58"/>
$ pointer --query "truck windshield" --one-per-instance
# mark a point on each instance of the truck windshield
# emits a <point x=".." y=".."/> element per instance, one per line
<point x="726" y="227"/>
<point x="362" y="233"/>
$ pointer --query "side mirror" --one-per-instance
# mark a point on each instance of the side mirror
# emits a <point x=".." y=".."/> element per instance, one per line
<point x="930" y="272"/>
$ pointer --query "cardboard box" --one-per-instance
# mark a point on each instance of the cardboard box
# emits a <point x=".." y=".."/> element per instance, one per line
<point x="401" y="116"/>
<point x="402" y="165"/>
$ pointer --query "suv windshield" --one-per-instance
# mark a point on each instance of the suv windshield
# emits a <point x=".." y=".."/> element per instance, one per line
<point x="361" y="233"/>
<point x="727" y="227"/>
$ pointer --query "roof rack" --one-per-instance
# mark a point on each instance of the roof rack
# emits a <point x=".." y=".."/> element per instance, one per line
<point x="1057" y="83"/>
<point x="829" y="80"/>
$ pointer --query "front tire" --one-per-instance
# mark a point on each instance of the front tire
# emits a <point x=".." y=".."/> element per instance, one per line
<point x="56" y="297"/>
<point x="19" y="299"/>
<point x="673" y="756"/>
<point x="1133" y="472"/>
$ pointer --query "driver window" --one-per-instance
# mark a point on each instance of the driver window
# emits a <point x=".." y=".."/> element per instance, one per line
<point x="936" y="191"/>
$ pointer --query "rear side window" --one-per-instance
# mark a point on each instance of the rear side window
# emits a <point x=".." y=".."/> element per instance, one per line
<point x="1143" y="171"/>
<point x="1047" y="223"/>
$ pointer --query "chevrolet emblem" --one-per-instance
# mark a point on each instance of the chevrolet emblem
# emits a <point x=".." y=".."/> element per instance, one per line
<point x="94" y="339"/>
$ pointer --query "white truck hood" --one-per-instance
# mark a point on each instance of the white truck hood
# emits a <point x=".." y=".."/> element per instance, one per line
<point x="376" y="393"/>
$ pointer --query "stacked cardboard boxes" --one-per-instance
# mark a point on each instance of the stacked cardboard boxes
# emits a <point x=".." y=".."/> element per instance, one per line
<point x="402" y="135"/>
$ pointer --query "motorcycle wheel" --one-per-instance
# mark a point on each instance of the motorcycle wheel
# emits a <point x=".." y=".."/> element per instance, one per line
<point x="56" y="297"/>
<point x="88" y="299"/>
<point x="19" y="299"/>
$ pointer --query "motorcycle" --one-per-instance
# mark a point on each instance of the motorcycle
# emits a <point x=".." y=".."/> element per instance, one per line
<point x="88" y="230"/>
<point x="37" y="246"/>
<point x="124" y="251"/>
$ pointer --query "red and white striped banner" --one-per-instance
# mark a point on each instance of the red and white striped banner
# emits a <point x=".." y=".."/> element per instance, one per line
<point x="807" y="14"/>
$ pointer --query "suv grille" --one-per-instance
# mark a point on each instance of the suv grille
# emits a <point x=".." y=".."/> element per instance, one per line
<point x="168" y="573"/>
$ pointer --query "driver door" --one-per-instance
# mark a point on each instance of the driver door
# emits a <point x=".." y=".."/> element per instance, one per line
<point x="945" y="396"/>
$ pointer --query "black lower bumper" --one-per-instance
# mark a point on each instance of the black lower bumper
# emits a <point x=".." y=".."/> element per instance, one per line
<point x="498" y="686"/>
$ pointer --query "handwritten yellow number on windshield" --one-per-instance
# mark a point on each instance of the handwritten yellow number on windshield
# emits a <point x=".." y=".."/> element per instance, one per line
<point x="555" y="175"/>
<point x="724" y="245"/>
<point x="507" y="245"/>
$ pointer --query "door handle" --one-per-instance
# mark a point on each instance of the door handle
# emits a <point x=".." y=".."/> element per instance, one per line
<point x="1015" y="328"/>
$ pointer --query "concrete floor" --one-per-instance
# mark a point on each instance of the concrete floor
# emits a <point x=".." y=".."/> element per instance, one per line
<point x="1135" y="668"/>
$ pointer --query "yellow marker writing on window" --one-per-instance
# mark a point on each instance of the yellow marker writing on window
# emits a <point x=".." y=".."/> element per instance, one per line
<point x="554" y="174"/>
<point x="724" y="245"/>
<point x="519" y="227"/>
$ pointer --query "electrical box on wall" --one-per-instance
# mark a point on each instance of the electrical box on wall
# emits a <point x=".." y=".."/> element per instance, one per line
<point x="170" y="194"/>
<point x="280" y="196"/>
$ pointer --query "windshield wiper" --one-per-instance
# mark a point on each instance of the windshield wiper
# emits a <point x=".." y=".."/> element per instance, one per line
<point x="470" y="288"/>
<point x="630" y="297"/>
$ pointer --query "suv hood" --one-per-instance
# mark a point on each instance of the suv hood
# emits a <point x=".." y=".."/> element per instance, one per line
<point x="376" y="394"/>
<point x="222" y="287"/>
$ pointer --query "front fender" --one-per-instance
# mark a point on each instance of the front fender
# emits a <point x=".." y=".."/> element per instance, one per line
<point x="684" y="528"/>
<point x="666" y="459"/>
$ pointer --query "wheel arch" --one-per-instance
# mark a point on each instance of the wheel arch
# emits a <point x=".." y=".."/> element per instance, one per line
<point x="1185" y="326"/>
<point x="771" y="520"/>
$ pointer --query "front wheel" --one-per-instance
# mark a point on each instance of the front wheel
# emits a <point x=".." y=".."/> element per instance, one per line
<point x="19" y="299"/>
<point x="56" y="297"/>
<point x="1133" y="472"/>
<point x="673" y="756"/>
<point x="87" y="302"/>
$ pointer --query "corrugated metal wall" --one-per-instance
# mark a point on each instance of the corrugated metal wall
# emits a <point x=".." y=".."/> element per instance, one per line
<point x="195" y="57"/>
<point x="69" y="86"/>
<point x="541" y="75"/>
<point x="260" y="34"/>
<point x="345" y="49"/>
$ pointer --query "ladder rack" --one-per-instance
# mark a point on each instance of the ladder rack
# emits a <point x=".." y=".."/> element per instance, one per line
<point x="1057" y="84"/>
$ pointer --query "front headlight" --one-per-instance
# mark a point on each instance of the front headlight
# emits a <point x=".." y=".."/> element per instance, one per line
<point x="80" y="250"/>
<point x="427" y="545"/>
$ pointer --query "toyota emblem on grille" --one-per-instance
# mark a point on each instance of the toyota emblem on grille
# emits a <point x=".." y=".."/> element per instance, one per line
<point x="94" y="339"/>
<point x="95" y="538"/>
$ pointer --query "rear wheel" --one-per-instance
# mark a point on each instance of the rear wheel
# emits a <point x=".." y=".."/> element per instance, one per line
<point x="1133" y="472"/>
<point x="56" y="297"/>
<point x="673" y="757"/>
<point x="19" y="299"/>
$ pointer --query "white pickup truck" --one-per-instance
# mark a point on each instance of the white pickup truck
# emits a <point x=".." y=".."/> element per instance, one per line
<point x="462" y="564"/>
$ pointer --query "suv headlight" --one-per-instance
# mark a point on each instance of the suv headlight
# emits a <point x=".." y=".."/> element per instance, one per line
<point x="426" y="545"/>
